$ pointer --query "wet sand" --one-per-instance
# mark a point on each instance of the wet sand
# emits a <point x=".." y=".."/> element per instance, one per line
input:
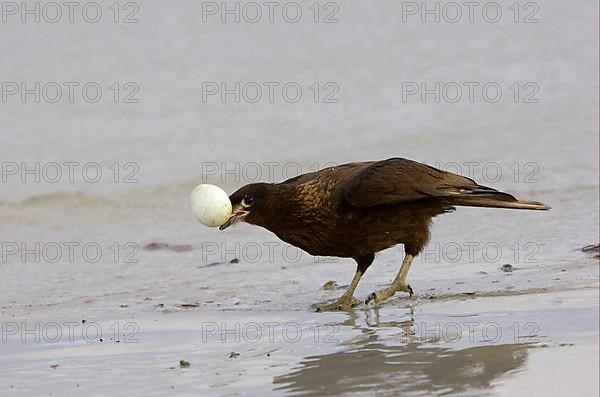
<point x="541" y="344"/>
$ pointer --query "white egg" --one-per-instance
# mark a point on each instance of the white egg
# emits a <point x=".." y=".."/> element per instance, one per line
<point x="210" y="204"/>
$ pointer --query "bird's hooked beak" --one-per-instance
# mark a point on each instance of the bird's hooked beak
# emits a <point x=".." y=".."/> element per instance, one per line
<point x="238" y="213"/>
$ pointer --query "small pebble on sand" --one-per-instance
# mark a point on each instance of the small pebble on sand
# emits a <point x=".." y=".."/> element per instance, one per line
<point x="184" y="364"/>
<point x="330" y="285"/>
<point x="507" y="268"/>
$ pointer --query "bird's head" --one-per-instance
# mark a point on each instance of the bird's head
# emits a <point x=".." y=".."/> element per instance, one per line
<point x="251" y="204"/>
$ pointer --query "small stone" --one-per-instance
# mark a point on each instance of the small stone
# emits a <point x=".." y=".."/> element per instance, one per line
<point x="330" y="285"/>
<point x="184" y="364"/>
<point x="507" y="268"/>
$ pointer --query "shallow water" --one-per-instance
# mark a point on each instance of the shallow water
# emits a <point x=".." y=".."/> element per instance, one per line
<point x="90" y="262"/>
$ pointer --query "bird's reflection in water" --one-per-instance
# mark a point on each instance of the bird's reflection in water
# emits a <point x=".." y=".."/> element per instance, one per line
<point x="371" y="365"/>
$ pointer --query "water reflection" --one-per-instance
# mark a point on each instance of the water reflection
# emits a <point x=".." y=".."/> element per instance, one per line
<point x="376" y="363"/>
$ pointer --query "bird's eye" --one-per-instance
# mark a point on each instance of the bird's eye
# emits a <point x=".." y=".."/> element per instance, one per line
<point x="247" y="201"/>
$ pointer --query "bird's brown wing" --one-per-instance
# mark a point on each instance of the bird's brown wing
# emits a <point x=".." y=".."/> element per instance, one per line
<point x="399" y="180"/>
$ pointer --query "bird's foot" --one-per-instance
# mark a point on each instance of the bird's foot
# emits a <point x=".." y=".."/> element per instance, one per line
<point x="341" y="304"/>
<point x="382" y="295"/>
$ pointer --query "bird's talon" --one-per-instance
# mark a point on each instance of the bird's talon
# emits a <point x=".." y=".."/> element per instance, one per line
<point x="339" y="305"/>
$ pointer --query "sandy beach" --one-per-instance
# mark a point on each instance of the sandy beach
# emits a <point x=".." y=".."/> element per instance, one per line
<point x="109" y="285"/>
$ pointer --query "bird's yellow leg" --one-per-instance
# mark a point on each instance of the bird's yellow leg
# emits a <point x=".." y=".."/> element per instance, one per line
<point x="346" y="301"/>
<point x="399" y="283"/>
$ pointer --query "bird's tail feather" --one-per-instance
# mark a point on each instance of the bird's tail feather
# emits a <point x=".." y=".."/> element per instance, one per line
<point x="492" y="203"/>
<point x="491" y="198"/>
